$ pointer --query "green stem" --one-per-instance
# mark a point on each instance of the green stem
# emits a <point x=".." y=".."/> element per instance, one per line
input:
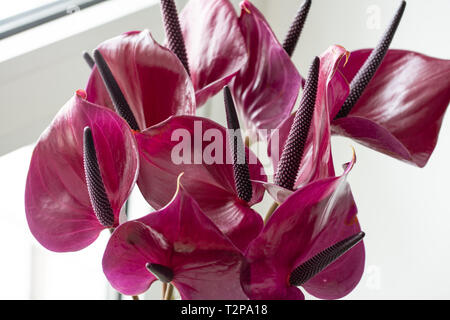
<point x="164" y="290"/>
<point x="169" y="293"/>
<point x="270" y="212"/>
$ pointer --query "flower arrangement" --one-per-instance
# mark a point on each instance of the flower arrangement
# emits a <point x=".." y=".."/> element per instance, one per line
<point x="135" y="124"/>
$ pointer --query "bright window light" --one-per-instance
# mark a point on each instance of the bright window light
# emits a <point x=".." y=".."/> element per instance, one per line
<point x="22" y="15"/>
<point x="13" y="8"/>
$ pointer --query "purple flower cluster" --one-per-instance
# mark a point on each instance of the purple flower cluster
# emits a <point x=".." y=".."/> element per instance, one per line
<point x="204" y="237"/>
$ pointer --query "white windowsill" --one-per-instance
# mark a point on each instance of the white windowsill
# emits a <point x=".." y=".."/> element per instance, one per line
<point x="68" y="26"/>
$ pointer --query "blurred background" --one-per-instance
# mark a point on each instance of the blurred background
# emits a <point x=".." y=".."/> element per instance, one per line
<point x="403" y="209"/>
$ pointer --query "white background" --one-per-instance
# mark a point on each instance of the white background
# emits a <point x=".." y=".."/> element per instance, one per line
<point x="403" y="210"/>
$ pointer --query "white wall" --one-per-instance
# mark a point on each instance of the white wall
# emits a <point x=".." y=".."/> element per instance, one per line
<point x="402" y="209"/>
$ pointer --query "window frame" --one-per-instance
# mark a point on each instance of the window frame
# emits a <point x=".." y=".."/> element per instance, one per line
<point x="42" y="14"/>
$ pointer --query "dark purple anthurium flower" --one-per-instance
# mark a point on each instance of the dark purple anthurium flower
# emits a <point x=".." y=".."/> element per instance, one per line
<point x="267" y="87"/>
<point x="311" y="132"/>
<point x="401" y="111"/>
<point x="178" y="244"/>
<point x="82" y="171"/>
<point x="197" y="147"/>
<point x="208" y="55"/>
<point x="146" y="72"/>
<point x="321" y="280"/>
<point x="214" y="45"/>
<point x="159" y="170"/>
<point x="149" y="78"/>
<point x="395" y="99"/>
<point x="306" y="242"/>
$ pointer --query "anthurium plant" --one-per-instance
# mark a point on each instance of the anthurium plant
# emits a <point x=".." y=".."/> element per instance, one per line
<point x="135" y="125"/>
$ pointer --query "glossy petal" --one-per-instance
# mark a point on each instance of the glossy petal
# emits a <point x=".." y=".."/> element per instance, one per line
<point x="400" y="112"/>
<point x="311" y="218"/>
<point x="317" y="159"/>
<point x="215" y="46"/>
<point x="279" y="194"/>
<point x="206" y="265"/>
<point x="153" y="80"/>
<point x="211" y="185"/>
<point x="267" y="87"/>
<point x="342" y="276"/>
<point x="58" y="208"/>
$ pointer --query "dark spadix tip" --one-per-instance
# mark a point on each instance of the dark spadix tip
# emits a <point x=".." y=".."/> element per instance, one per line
<point x="322" y="260"/>
<point x="292" y="155"/>
<point x="161" y="272"/>
<point x="371" y="65"/>
<point x="230" y="108"/>
<point x="291" y="40"/>
<point x="240" y="165"/>
<point x="117" y="97"/>
<point x="174" y="35"/>
<point x="89" y="60"/>
<point x="96" y="188"/>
